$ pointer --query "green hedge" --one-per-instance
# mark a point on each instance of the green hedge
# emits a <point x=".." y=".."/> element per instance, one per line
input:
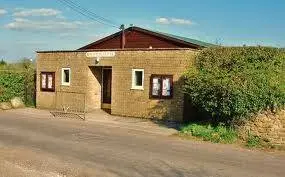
<point x="11" y="84"/>
<point x="235" y="82"/>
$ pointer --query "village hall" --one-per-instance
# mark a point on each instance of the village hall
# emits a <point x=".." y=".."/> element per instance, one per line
<point x="135" y="72"/>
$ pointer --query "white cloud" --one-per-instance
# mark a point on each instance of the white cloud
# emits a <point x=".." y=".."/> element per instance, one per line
<point x="43" y="12"/>
<point x="3" y="12"/>
<point x="175" y="21"/>
<point x="21" y="24"/>
<point x="179" y="21"/>
<point x="164" y="21"/>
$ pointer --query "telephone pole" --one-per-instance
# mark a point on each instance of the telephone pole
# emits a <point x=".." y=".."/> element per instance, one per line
<point x="123" y="43"/>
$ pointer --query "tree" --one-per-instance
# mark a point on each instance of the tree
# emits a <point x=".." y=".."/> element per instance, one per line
<point x="2" y="62"/>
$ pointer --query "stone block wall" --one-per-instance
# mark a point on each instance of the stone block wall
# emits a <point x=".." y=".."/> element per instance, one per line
<point x="137" y="103"/>
<point x="84" y="86"/>
<point x="267" y="125"/>
<point x="86" y="78"/>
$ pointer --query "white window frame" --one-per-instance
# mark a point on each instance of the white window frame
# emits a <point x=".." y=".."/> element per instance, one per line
<point x="62" y="77"/>
<point x="134" y="86"/>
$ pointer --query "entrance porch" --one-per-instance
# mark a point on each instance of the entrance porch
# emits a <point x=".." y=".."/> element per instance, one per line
<point x="100" y="88"/>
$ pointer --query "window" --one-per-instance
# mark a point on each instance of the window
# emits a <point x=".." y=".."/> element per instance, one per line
<point x="137" y="79"/>
<point x="65" y="78"/>
<point x="161" y="86"/>
<point x="47" y="81"/>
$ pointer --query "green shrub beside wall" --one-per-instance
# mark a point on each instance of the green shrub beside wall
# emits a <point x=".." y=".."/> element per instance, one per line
<point x="11" y="85"/>
<point x="235" y="82"/>
<point x="217" y="134"/>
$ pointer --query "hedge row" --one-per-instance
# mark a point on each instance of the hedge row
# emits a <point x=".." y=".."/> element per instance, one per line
<point x="11" y="85"/>
<point x="236" y="82"/>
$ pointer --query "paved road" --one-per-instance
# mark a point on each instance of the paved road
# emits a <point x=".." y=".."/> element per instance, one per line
<point x="40" y="146"/>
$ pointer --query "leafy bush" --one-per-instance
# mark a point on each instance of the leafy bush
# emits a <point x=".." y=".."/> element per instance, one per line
<point x="235" y="82"/>
<point x="18" y="79"/>
<point x="11" y="85"/>
<point x="253" y="141"/>
<point x="216" y="134"/>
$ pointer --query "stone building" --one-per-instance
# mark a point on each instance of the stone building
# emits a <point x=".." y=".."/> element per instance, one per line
<point x="135" y="72"/>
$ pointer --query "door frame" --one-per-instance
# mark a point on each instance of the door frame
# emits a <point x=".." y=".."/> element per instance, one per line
<point x="106" y="105"/>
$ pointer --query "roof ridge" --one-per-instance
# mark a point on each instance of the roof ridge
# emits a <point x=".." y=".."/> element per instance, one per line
<point x="185" y="39"/>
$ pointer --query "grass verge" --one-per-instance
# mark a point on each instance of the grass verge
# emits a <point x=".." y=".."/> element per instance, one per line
<point x="225" y="135"/>
<point x="207" y="132"/>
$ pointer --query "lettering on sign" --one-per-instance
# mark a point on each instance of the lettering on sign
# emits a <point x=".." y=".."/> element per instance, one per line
<point x="100" y="54"/>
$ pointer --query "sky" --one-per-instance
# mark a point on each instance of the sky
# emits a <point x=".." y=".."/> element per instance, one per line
<point x="27" y="26"/>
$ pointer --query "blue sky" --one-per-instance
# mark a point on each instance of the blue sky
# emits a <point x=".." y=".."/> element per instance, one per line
<point x="30" y="25"/>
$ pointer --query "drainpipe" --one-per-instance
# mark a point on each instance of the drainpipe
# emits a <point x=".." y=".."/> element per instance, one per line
<point x="123" y="40"/>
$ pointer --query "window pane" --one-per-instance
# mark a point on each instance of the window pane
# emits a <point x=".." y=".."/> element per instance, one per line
<point x="44" y="80"/>
<point x="47" y="81"/>
<point x="50" y="81"/>
<point x="156" y="86"/>
<point x="66" y="75"/>
<point x="166" y="87"/>
<point x="139" y="76"/>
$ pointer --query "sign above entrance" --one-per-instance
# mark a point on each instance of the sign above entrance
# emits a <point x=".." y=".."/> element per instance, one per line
<point x="100" y="54"/>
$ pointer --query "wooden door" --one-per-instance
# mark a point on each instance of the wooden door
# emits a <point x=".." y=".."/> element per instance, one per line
<point x="107" y="85"/>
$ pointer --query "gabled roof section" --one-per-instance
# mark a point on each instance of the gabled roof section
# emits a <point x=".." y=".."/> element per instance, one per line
<point x="189" y="40"/>
<point x="101" y="40"/>
<point x="178" y="40"/>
